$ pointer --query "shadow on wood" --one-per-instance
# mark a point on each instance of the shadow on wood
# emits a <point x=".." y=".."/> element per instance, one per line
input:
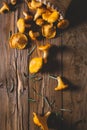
<point x="71" y="86"/>
<point x="77" y="12"/>
<point x="53" y="62"/>
<point x="54" y="59"/>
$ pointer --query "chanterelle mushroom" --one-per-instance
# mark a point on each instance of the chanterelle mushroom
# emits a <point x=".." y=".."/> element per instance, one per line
<point x="18" y="40"/>
<point x="41" y="121"/>
<point x="51" y="17"/>
<point x="40" y="21"/>
<point x="5" y="7"/>
<point x="49" y="31"/>
<point x="34" y="35"/>
<point x="13" y="2"/>
<point x="45" y="49"/>
<point x="27" y="16"/>
<point x="63" y="24"/>
<point x="39" y="12"/>
<point x="61" y="85"/>
<point x="35" y="65"/>
<point x="34" y="4"/>
<point x="21" y="25"/>
<point x="46" y="15"/>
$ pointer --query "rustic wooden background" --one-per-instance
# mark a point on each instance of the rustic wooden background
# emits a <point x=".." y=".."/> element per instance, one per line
<point x="70" y="52"/>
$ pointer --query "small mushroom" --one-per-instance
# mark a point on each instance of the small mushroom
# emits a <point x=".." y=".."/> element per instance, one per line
<point x="49" y="31"/>
<point x="21" y="25"/>
<point x="4" y="8"/>
<point x="39" y="12"/>
<point x="34" y="4"/>
<point x="63" y="24"/>
<point x="53" y="17"/>
<point x="45" y="49"/>
<point x="61" y="85"/>
<point x="40" y="21"/>
<point x="41" y="121"/>
<point x="27" y="16"/>
<point x="18" y="40"/>
<point x="34" y="35"/>
<point x="35" y="65"/>
<point x="13" y="2"/>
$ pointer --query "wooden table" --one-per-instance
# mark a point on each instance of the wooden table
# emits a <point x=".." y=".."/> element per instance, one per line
<point x="68" y="59"/>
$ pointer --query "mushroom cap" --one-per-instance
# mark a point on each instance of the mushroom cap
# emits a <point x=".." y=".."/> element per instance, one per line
<point x="35" y="4"/>
<point x="50" y="16"/>
<point x="13" y="2"/>
<point x="40" y="21"/>
<point x="18" y="41"/>
<point x="49" y="31"/>
<point x="21" y="25"/>
<point x="53" y="17"/>
<point x="6" y="5"/>
<point x="44" y="47"/>
<point x="46" y="15"/>
<point x="35" y="64"/>
<point x="63" y="24"/>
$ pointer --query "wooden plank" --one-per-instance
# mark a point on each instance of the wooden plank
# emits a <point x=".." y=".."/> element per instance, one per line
<point x="67" y="58"/>
<point x="74" y="70"/>
<point x="14" y="94"/>
<point x="45" y="87"/>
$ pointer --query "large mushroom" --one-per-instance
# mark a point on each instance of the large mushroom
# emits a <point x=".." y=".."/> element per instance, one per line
<point x="35" y="65"/>
<point x="49" y="31"/>
<point x="18" y="40"/>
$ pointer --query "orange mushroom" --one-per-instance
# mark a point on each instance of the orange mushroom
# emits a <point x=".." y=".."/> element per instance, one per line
<point x="63" y="24"/>
<point x="34" y="4"/>
<point x="21" y="25"/>
<point x="27" y="16"/>
<point x="61" y="85"/>
<point x="40" y="21"/>
<point x="4" y="8"/>
<point x="34" y="35"/>
<point x="51" y="17"/>
<point x="13" y="2"/>
<point x="35" y="64"/>
<point x="45" y="49"/>
<point x="49" y="31"/>
<point x="41" y="121"/>
<point x="39" y="12"/>
<point x="18" y="40"/>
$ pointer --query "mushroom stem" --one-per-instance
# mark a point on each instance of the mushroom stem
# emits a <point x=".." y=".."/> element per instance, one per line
<point x="5" y="7"/>
<point x="45" y="54"/>
<point x="45" y="50"/>
<point x="27" y="16"/>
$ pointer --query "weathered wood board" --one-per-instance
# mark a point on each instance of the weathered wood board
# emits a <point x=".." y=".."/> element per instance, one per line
<point x="68" y="59"/>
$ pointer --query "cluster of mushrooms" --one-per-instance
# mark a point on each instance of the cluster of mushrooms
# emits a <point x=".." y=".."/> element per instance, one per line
<point x="47" y="20"/>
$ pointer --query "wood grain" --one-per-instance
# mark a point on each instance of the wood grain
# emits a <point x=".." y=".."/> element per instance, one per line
<point x="68" y="58"/>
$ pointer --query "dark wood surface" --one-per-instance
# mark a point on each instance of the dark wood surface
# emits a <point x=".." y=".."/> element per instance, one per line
<point x="70" y="52"/>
